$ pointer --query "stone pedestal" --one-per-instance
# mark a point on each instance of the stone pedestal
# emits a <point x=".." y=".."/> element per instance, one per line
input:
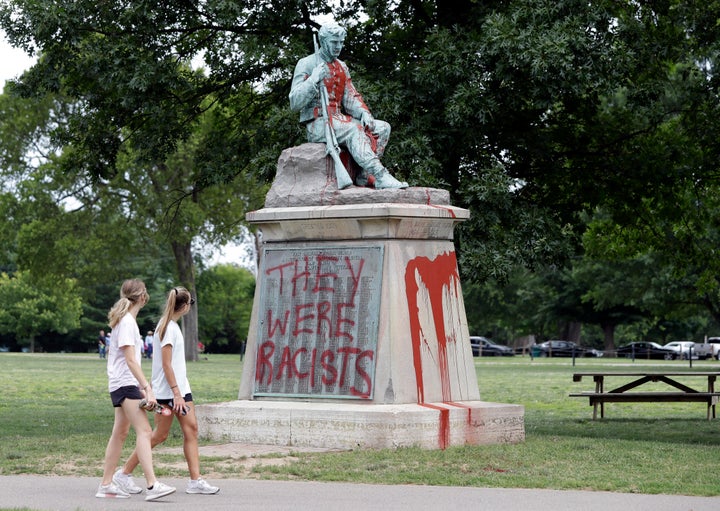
<point x="361" y="426"/>
<point x="358" y="335"/>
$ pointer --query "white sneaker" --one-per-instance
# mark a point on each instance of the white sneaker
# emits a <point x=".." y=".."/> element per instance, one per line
<point x="158" y="490"/>
<point x="111" y="491"/>
<point x="125" y="482"/>
<point x="201" y="486"/>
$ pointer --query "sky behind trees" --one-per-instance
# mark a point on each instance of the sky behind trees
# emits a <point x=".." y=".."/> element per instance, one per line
<point x="14" y="61"/>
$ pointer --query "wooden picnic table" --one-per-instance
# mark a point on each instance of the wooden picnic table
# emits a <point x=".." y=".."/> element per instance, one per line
<point x="625" y="393"/>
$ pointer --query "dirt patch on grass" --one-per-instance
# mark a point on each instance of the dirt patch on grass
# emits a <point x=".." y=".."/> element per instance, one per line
<point x="232" y="460"/>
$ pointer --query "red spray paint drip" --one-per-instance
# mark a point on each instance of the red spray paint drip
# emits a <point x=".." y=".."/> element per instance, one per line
<point x="437" y="276"/>
<point x="469" y="437"/>
<point x="444" y="426"/>
<point x="444" y="208"/>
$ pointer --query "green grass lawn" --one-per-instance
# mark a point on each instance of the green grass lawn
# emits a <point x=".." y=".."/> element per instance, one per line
<point x="55" y="418"/>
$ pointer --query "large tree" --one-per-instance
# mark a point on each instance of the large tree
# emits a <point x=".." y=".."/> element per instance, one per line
<point x="529" y="111"/>
<point x="228" y="292"/>
<point x="416" y="62"/>
<point x="143" y="221"/>
<point x="30" y="306"/>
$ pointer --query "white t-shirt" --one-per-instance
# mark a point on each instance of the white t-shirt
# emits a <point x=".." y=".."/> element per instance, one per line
<point x="125" y="333"/>
<point x="174" y="338"/>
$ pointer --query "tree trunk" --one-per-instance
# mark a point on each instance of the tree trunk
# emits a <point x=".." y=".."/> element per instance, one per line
<point x="573" y="329"/>
<point x="186" y="273"/>
<point x="609" y="335"/>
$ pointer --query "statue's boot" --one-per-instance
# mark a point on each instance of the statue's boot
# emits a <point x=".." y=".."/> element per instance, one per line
<point x="383" y="179"/>
<point x="379" y="177"/>
<point x="364" y="178"/>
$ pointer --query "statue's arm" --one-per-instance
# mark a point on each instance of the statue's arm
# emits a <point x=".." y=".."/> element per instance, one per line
<point x="353" y="102"/>
<point x="303" y="92"/>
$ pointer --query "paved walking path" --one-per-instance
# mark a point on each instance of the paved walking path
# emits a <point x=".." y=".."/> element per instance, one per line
<point x="47" y="493"/>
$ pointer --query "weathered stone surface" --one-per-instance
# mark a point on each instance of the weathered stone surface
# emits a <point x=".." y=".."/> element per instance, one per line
<point x="403" y="367"/>
<point x="351" y="426"/>
<point x="361" y="222"/>
<point x="306" y="177"/>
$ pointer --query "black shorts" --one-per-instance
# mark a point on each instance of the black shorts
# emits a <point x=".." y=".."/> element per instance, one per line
<point x="169" y="402"/>
<point x="123" y="393"/>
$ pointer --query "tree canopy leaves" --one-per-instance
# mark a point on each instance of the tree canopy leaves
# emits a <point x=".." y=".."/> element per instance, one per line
<point x="544" y="118"/>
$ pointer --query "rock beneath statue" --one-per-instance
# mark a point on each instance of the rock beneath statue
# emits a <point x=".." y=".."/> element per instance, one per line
<point x="306" y="177"/>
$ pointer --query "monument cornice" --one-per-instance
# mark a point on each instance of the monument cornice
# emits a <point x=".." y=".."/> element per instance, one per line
<point x="358" y="222"/>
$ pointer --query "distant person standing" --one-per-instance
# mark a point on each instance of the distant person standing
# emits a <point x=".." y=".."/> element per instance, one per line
<point x="147" y="345"/>
<point x="169" y="378"/>
<point x="149" y="348"/>
<point x="127" y="385"/>
<point x="101" y="344"/>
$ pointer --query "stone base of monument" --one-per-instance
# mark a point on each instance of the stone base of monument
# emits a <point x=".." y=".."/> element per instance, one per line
<point x="358" y="336"/>
<point x="352" y="426"/>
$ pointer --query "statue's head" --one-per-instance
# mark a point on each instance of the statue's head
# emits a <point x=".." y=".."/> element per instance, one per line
<point x="332" y="30"/>
<point x="332" y="38"/>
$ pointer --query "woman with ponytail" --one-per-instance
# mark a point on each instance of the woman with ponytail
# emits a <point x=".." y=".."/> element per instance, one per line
<point x="169" y="379"/>
<point x="128" y="386"/>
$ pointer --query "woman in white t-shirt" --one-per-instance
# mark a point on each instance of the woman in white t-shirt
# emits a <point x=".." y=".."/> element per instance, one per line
<point x="128" y="386"/>
<point x="169" y="379"/>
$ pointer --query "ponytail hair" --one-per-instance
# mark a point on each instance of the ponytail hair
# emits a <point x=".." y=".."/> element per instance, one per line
<point x="132" y="291"/>
<point x="177" y="298"/>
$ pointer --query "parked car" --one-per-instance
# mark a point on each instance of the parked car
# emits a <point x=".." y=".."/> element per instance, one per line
<point x="683" y="349"/>
<point x="710" y="348"/>
<point x="484" y="347"/>
<point x="558" y="348"/>
<point x="645" y="349"/>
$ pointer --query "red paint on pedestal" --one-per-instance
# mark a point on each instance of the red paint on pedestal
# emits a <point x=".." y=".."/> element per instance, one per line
<point x="439" y="277"/>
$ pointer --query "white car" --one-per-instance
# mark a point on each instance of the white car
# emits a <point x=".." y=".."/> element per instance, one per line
<point x="683" y="349"/>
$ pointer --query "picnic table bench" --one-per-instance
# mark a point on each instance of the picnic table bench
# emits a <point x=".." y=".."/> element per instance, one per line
<point x="680" y="392"/>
